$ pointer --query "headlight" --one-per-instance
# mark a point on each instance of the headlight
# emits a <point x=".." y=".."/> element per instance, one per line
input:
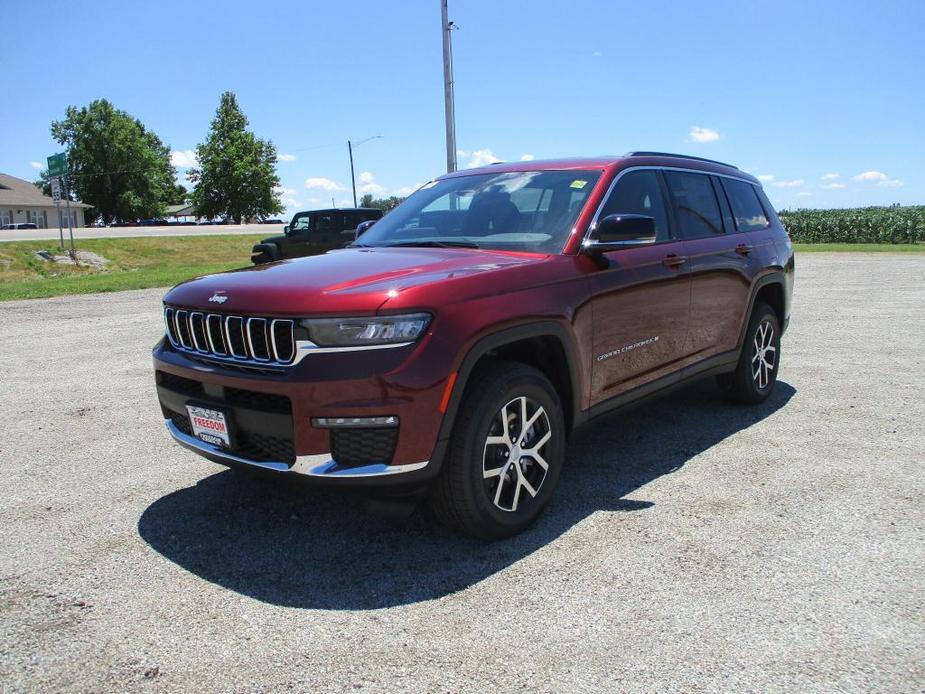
<point x="373" y="330"/>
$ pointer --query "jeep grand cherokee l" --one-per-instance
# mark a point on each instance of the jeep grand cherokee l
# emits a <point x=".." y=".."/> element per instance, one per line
<point x="457" y="344"/>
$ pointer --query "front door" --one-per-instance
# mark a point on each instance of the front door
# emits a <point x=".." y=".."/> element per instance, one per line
<point x="640" y="297"/>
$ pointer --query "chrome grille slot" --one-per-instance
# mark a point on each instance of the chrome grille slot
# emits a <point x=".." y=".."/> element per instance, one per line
<point x="244" y="341"/>
<point x="181" y="318"/>
<point x="216" y="334"/>
<point x="281" y="334"/>
<point x="234" y="331"/>
<point x="171" y="326"/>
<point x="198" y="332"/>
<point x="257" y="339"/>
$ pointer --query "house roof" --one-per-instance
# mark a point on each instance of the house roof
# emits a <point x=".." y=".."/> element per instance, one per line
<point x="15" y="192"/>
<point x="185" y="210"/>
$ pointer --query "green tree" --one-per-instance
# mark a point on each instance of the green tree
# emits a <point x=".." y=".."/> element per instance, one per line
<point x="114" y="162"/>
<point x="236" y="176"/>
<point x="384" y="204"/>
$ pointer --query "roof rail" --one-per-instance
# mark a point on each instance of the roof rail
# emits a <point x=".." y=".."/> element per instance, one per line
<point x="679" y="156"/>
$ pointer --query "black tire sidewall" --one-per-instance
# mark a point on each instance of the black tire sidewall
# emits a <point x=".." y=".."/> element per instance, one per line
<point x="745" y="382"/>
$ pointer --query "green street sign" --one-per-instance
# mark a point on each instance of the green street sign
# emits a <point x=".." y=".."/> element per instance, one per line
<point x="57" y="164"/>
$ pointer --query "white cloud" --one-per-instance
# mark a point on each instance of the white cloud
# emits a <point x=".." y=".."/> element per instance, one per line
<point x="461" y="152"/>
<point x="368" y="185"/>
<point x="698" y="134"/>
<point x="345" y="202"/>
<point x="287" y="197"/>
<point x="834" y="186"/>
<point x="830" y="176"/>
<point x="803" y="194"/>
<point x="870" y="176"/>
<point x="37" y="165"/>
<point x="795" y="183"/>
<point x="482" y="157"/>
<point x="891" y="183"/>
<point x="285" y="157"/>
<point x="321" y="183"/>
<point x="184" y="159"/>
<point x="597" y="54"/>
<point x="527" y="157"/>
<point x="765" y="178"/>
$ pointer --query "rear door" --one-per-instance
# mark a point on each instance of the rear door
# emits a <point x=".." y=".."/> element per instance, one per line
<point x="719" y="261"/>
<point x="640" y="296"/>
<point x="325" y="233"/>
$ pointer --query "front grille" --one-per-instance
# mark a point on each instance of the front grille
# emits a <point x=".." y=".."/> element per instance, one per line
<point x="248" y="444"/>
<point x="237" y="338"/>
<point x="351" y="446"/>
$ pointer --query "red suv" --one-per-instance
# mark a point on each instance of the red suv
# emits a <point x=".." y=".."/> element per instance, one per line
<point x="457" y="344"/>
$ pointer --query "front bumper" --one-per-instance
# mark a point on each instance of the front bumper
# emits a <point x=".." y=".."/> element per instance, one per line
<point x="273" y="413"/>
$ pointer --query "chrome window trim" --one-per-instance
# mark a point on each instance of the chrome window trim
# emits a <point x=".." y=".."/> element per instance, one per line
<point x="597" y="213"/>
<point x="321" y="465"/>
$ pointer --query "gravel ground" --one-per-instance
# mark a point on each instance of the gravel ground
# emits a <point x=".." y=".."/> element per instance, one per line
<point x="692" y="545"/>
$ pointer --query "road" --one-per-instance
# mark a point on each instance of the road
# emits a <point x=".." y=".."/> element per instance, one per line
<point x="133" y="232"/>
<point x="692" y="545"/>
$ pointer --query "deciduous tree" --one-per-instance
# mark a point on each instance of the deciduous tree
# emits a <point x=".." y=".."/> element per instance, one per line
<point x="236" y="175"/>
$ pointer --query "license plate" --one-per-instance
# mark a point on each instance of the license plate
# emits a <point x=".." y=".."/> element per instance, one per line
<point x="209" y="425"/>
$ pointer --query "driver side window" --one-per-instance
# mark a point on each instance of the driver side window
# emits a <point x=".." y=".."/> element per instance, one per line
<point x="639" y="192"/>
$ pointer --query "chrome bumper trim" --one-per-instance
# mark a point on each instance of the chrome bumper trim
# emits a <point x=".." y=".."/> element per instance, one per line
<point x="320" y="465"/>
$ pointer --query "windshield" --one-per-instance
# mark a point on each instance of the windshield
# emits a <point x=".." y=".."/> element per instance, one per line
<point x="519" y="211"/>
<point x="300" y="222"/>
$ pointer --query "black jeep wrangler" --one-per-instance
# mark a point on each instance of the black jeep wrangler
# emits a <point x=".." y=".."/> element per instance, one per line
<point x="314" y="232"/>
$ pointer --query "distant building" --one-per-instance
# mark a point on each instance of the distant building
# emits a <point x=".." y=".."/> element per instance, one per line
<point x="21" y="201"/>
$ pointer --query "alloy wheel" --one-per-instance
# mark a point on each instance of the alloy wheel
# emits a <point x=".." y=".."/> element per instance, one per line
<point x="513" y="463"/>
<point x="764" y="355"/>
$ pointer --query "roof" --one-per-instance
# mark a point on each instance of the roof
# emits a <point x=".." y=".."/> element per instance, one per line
<point x="610" y="162"/>
<point x="184" y="210"/>
<point x="17" y="192"/>
<point x="342" y="209"/>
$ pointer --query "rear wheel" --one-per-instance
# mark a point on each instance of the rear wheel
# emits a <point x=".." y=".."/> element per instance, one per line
<point x="505" y="453"/>
<point x="756" y="373"/>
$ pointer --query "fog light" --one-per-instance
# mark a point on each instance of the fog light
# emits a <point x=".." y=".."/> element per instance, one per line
<point x="346" y="422"/>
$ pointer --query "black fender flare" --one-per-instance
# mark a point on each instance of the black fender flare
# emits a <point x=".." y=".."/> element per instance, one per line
<point x="499" y="338"/>
<point x="270" y="249"/>
<point x="774" y="277"/>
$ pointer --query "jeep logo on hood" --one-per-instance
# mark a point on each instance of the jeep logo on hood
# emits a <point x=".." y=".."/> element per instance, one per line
<point x="218" y="298"/>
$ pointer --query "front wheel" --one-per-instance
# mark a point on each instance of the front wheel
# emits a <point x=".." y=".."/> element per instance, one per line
<point x="756" y="373"/>
<point x="505" y="453"/>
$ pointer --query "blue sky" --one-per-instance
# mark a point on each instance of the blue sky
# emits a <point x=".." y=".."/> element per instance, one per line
<point x="824" y="100"/>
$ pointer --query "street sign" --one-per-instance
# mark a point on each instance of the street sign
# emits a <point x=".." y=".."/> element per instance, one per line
<point x="57" y="164"/>
<point x="55" y="190"/>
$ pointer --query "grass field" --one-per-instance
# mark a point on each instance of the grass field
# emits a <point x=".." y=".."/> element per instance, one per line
<point x="164" y="261"/>
<point x="134" y="264"/>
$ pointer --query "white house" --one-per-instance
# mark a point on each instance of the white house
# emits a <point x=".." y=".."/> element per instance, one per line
<point x="21" y="201"/>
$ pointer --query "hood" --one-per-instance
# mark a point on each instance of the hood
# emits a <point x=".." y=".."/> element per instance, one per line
<point x="351" y="280"/>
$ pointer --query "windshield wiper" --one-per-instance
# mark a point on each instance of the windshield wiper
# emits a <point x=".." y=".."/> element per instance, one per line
<point x="431" y="243"/>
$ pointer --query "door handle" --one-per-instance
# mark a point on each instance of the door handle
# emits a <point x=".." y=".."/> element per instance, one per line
<point x="744" y="249"/>
<point x="672" y="260"/>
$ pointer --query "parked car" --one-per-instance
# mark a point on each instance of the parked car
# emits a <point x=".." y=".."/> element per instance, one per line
<point x="310" y="233"/>
<point x="21" y="225"/>
<point x="274" y="220"/>
<point x="457" y="344"/>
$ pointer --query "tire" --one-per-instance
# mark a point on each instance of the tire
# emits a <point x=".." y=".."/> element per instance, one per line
<point x="482" y="490"/>
<point x="756" y="373"/>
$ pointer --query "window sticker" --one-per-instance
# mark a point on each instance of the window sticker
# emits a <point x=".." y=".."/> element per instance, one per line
<point x="578" y="184"/>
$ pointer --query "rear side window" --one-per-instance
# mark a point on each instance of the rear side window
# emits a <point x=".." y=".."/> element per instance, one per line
<point x="696" y="204"/>
<point x="639" y="192"/>
<point x="747" y="211"/>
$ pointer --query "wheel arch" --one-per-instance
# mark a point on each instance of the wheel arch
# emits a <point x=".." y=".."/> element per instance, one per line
<point x="770" y="289"/>
<point x="545" y="345"/>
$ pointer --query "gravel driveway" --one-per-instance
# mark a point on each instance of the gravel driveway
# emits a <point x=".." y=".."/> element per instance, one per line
<point x="692" y="545"/>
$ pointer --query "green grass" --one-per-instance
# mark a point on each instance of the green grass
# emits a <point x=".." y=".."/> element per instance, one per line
<point x="163" y="261"/>
<point x="134" y="264"/>
<point x="859" y="247"/>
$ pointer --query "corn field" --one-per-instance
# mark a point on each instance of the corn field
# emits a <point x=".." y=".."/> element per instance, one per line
<point x="857" y="225"/>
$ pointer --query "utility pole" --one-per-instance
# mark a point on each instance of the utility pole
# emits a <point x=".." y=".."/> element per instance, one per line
<point x="449" y="105"/>
<point x="353" y="180"/>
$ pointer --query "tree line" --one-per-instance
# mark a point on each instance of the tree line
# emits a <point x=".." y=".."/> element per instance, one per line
<point x="124" y="171"/>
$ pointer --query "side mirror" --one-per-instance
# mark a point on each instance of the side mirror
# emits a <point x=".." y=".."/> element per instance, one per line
<point x="362" y="227"/>
<point x="286" y="230"/>
<point x="617" y="231"/>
